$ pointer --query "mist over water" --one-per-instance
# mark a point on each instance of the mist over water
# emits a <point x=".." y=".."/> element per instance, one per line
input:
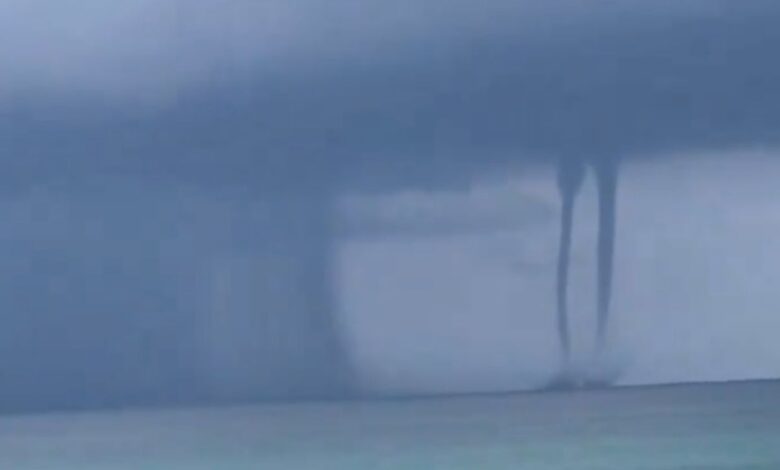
<point x="694" y="297"/>
<point x="121" y="292"/>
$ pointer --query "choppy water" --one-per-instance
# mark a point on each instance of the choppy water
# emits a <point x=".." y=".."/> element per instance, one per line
<point x="728" y="426"/>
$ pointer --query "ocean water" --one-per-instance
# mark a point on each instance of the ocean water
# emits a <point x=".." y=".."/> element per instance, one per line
<point x="706" y="426"/>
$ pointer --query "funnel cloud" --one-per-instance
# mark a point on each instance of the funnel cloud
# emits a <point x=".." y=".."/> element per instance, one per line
<point x="209" y="202"/>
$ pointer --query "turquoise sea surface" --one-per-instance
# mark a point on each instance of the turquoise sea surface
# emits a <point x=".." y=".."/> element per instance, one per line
<point x="704" y="426"/>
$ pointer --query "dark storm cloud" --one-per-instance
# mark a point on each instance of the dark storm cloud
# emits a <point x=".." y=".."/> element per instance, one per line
<point x="375" y="93"/>
<point x="141" y="48"/>
<point x="299" y="100"/>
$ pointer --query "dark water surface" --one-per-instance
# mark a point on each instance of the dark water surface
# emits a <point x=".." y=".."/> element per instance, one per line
<point x="712" y="426"/>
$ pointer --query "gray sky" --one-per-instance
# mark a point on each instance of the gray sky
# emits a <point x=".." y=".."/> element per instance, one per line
<point x="174" y="167"/>
<point x="381" y="94"/>
<point x="143" y="51"/>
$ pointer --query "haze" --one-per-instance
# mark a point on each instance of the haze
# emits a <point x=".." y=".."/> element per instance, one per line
<point x="238" y="200"/>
